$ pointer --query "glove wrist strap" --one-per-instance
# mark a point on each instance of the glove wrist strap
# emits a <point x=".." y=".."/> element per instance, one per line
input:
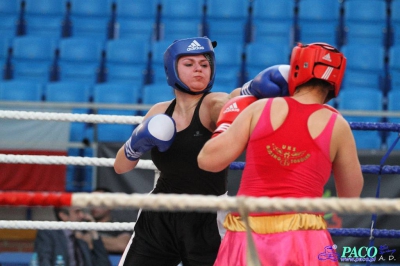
<point x="130" y="153"/>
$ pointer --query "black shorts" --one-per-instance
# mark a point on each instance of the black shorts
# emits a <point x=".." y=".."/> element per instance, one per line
<point x="167" y="238"/>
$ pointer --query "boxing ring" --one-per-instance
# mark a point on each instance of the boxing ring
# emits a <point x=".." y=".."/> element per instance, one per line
<point x="374" y="205"/>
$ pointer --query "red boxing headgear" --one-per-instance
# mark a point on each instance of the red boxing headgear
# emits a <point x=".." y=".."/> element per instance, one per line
<point x="316" y="60"/>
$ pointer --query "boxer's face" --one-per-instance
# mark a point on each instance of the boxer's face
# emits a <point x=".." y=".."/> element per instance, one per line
<point x="194" y="71"/>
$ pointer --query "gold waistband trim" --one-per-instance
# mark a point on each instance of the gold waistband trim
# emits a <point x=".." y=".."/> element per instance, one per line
<point x="276" y="223"/>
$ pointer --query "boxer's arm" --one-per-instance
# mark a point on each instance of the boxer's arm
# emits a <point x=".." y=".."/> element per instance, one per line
<point x="155" y="131"/>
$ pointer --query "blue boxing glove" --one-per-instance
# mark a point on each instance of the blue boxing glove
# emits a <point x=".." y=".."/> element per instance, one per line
<point x="269" y="83"/>
<point x="158" y="130"/>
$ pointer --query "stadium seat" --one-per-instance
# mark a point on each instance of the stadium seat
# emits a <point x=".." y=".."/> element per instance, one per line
<point x="90" y="18"/>
<point x="15" y="258"/>
<point x="394" y="57"/>
<point x="318" y="21"/>
<point x="393" y="106"/>
<point x="157" y="60"/>
<point x="127" y="60"/>
<point x="33" y="57"/>
<point x="180" y="29"/>
<point x="45" y="17"/>
<point x="227" y="22"/>
<point x="273" y="21"/>
<point x="5" y="44"/>
<point x="79" y="178"/>
<point x="9" y="14"/>
<point x="365" y="21"/>
<point x="181" y="19"/>
<point x="115" y="94"/>
<point x="364" y="100"/>
<point x="157" y="92"/>
<point x="395" y="21"/>
<point x="21" y="90"/>
<point x="136" y="19"/>
<point x="260" y="55"/>
<point x="72" y="92"/>
<point x="79" y="59"/>
<point x="367" y="61"/>
<point x="229" y="56"/>
<point x="395" y="80"/>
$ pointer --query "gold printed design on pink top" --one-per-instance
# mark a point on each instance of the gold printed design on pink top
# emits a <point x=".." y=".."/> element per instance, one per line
<point x="286" y="154"/>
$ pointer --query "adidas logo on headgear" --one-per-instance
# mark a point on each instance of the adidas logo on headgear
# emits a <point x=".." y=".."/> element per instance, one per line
<point x="195" y="46"/>
<point x="232" y="108"/>
<point x="327" y="57"/>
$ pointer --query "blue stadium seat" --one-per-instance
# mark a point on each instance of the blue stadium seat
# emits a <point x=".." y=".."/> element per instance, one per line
<point x="45" y="17"/>
<point x="127" y="60"/>
<point x="9" y="14"/>
<point x="15" y="258"/>
<point x="157" y="92"/>
<point x="33" y="57"/>
<point x="21" y="90"/>
<point x="394" y="66"/>
<point x="5" y="44"/>
<point x="273" y="21"/>
<point x="79" y="178"/>
<point x="364" y="100"/>
<point x="180" y="29"/>
<point x="136" y="19"/>
<point x="395" y="20"/>
<point x="90" y="18"/>
<point x="227" y="22"/>
<point x="395" y="80"/>
<point x="229" y="56"/>
<point x="260" y="55"/>
<point x="24" y="258"/>
<point x="367" y="61"/>
<point x="365" y="21"/>
<point x="181" y="19"/>
<point x="157" y="60"/>
<point x="115" y="94"/>
<point x="80" y="59"/>
<point x="72" y="92"/>
<point x="318" y="21"/>
<point x="394" y="106"/>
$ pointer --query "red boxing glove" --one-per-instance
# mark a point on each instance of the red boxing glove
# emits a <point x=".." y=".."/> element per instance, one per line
<point x="230" y="111"/>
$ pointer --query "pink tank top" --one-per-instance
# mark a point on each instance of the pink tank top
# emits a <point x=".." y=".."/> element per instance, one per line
<point x="287" y="162"/>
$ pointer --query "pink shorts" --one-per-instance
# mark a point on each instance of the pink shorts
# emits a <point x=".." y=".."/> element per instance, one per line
<point x="301" y="247"/>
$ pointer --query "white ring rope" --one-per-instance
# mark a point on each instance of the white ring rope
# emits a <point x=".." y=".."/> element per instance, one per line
<point x="67" y="117"/>
<point x="50" y="225"/>
<point x="68" y="160"/>
<point x="203" y="203"/>
<point x="177" y="202"/>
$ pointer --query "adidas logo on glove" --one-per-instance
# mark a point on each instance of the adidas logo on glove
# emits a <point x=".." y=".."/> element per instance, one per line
<point x="195" y="46"/>
<point x="232" y="108"/>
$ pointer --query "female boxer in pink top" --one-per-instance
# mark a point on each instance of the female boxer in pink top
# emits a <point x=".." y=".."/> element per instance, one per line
<point x="292" y="146"/>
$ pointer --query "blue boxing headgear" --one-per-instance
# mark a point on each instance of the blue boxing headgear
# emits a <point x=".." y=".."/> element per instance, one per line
<point x="190" y="46"/>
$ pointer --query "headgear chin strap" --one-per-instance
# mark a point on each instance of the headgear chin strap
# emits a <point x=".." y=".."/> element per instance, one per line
<point x="316" y="60"/>
<point x="190" y="46"/>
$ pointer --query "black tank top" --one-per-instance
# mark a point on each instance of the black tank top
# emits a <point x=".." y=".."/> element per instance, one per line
<point x="178" y="165"/>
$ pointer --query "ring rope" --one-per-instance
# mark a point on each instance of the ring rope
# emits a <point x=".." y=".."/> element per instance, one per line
<point x="68" y="117"/>
<point x="50" y="225"/>
<point x="201" y="203"/>
<point x="94" y="118"/>
<point x="145" y="164"/>
<point x="129" y="226"/>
